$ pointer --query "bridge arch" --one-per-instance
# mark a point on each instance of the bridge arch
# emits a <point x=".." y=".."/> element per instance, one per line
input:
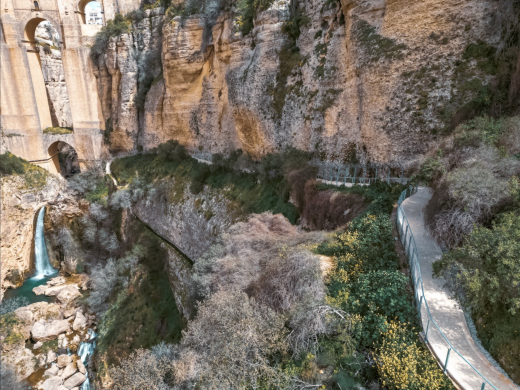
<point x="63" y="158"/>
<point x="46" y="76"/>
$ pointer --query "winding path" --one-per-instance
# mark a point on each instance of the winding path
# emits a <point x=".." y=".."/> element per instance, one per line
<point x="446" y="312"/>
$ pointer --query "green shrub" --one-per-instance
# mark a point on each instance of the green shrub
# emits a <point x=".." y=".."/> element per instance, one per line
<point x="114" y="27"/>
<point x="11" y="164"/>
<point x="34" y="176"/>
<point x="404" y="364"/>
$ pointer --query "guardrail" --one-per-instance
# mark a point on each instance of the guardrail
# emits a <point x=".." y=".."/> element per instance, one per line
<point x="348" y="175"/>
<point x="410" y="249"/>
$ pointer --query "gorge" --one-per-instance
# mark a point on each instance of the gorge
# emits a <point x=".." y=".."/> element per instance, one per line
<point x="205" y="194"/>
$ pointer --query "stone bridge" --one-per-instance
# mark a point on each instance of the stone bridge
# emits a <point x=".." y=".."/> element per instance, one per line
<point x="24" y="100"/>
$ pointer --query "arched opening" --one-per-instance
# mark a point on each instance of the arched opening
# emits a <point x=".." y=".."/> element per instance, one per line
<point x="91" y="12"/>
<point x="36" y="5"/>
<point x="64" y="159"/>
<point x="48" y="77"/>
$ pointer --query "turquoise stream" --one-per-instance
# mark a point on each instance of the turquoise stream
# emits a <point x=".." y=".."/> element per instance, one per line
<point x="43" y="269"/>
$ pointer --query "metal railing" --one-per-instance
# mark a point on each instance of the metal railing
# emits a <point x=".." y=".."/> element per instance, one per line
<point x="410" y="249"/>
<point x="350" y="174"/>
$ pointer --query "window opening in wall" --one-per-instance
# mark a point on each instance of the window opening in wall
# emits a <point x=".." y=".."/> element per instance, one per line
<point x="91" y="12"/>
<point x="48" y="76"/>
<point x="36" y="5"/>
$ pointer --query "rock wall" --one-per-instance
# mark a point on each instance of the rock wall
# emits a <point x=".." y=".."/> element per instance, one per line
<point x="20" y="204"/>
<point x="191" y="222"/>
<point x="375" y="77"/>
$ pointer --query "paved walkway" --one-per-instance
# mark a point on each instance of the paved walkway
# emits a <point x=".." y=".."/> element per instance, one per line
<point x="446" y="312"/>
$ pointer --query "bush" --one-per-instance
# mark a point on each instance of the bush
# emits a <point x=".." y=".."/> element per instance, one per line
<point x="404" y="365"/>
<point x="141" y="370"/>
<point x="491" y="266"/>
<point x="230" y="341"/>
<point x="11" y="164"/>
<point x="380" y="297"/>
<point x="119" y="25"/>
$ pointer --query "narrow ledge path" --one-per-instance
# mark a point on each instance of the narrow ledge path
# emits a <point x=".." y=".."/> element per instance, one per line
<point x="446" y="312"/>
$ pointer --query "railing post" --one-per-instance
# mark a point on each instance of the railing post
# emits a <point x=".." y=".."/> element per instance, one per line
<point x="483" y="385"/>
<point x="354" y="177"/>
<point x="346" y="175"/>
<point x="447" y="359"/>
<point x="376" y="175"/>
<point x="426" y="334"/>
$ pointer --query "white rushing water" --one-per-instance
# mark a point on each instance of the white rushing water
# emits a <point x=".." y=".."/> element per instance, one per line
<point x="42" y="263"/>
<point x="85" y="351"/>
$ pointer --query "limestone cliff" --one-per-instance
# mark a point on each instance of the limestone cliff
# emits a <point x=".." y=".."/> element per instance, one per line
<point x="378" y="77"/>
<point x="20" y="203"/>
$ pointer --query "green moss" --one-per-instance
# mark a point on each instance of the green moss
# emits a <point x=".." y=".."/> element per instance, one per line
<point x="58" y="130"/>
<point x="49" y="345"/>
<point x="289" y="61"/>
<point x="375" y="46"/>
<point x="9" y="329"/>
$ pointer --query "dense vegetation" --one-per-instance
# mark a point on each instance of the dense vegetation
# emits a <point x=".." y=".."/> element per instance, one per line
<point x="254" y="187"/>
<point x="267" y="318"/>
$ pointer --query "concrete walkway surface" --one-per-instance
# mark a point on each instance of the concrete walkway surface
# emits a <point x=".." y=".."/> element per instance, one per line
<point x="445" y="311"/>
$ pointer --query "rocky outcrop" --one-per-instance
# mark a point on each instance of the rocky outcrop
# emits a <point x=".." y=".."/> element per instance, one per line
<point x="62" y="225"/>
<point x="60" y="327"/>
<point x="20" y="203"/>
<point x="372" y="77"/>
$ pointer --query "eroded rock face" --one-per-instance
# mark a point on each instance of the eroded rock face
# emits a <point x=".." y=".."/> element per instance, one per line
<point x="372" y="77"/>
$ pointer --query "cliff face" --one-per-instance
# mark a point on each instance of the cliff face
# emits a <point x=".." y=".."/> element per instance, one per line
<point x="20" y="204"/>
<point x="376" y="77"/>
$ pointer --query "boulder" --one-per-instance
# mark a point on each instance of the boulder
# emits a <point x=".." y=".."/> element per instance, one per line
<point x="70" y="370"/>
<point x="79" y="322"/>
<point x="81" y="366"/>
<point x="38" y="345"/>
<point x="56" y="281"/>
<point x="51" y="371"/>
<point x="38" y="311"/>
<point x="51" y="357"/>
<point x="42" y="331"/>
<point x="52" y="383"/>
<point x="75" y="380"/>
<point x="69" y="293"/>
<point x="63" y="360"/>
<point x="50" y="291"/>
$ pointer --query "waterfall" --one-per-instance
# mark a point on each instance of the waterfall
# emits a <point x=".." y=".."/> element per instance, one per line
<point x="42" y="263"/>
<point x="85" y="351"/>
